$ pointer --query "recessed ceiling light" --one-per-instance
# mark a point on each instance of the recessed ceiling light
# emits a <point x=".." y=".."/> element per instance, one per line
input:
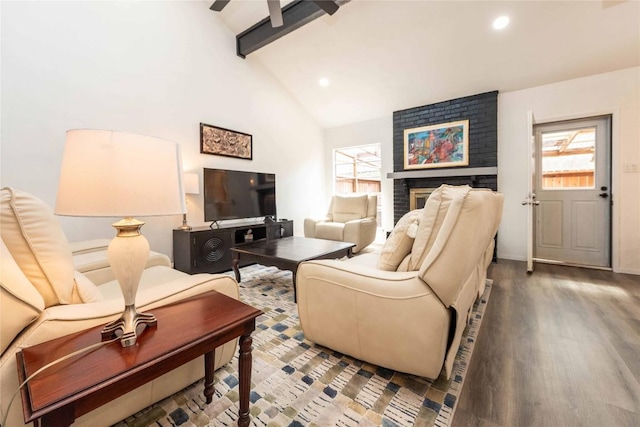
<point x="324" y="82"/>
<point x="501" y="22"/>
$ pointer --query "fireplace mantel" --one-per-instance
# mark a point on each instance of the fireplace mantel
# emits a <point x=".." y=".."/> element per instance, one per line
<point x="438" y="173"/>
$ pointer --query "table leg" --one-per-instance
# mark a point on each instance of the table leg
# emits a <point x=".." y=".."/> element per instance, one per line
<point x="295" y="291"/>
<point x="245" y="361"/>
<point x="209" y="366"/>
<point x="235" y="263"/>
<point x="60" y="417"/>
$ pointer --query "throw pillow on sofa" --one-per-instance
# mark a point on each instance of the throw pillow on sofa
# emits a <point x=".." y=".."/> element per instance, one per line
<point x="20" y="301"/>
<point x="400" y="241"/>
<point x="35" y="239"/>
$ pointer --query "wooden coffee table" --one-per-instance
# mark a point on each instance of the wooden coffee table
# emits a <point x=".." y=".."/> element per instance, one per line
<point x="288" y="252"/>
<point x="186" y="329"/>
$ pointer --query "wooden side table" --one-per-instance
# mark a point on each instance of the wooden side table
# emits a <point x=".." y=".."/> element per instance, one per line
<point x="186" y="329"/>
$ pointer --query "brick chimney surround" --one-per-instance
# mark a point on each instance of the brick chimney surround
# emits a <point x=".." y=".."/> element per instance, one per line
<point x="482" y="112"/>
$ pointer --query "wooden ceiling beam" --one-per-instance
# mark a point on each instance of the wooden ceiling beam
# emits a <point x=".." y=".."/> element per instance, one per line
<point x="295" y="15"/>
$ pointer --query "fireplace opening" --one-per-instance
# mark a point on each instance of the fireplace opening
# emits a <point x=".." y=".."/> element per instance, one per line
<point x="418" y="197"/>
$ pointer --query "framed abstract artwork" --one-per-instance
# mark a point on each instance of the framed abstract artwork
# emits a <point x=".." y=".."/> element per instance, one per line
<point x="225" y="142"/>
<point x="437" y="146"/>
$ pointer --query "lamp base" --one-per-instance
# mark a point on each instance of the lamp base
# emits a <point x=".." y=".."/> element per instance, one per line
<point x="128" y="323"/>
<point x="184" y="226"/>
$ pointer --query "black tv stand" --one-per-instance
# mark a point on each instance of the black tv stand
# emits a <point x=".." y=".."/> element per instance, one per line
<point x="207" y="249"/>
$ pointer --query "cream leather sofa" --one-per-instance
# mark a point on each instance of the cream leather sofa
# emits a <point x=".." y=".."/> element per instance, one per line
<point x="90" y="258"/>
<point x="407" y="307"/>
<point x="349" y="219"/>
<point x="43" y="297"/>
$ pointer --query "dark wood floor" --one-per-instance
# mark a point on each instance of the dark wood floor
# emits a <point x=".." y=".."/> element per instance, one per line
<point x="559" y="347"/>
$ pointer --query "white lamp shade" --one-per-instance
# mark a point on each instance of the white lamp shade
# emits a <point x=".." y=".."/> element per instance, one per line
<point x="191" y="183"/>
<point x="117" y="174"/>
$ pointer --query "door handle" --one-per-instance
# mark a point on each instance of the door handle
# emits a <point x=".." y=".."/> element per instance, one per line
<point x="530" y="199"/>
<point x="604" y="195"/>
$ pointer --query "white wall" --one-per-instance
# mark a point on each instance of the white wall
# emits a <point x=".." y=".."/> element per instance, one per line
<point x="154" y="68"/>
<point x="616" y="93"/>
<point x="377" y="131"/>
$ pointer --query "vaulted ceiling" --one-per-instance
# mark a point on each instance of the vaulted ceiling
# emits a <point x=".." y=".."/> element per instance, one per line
<point x="382" y="56"/>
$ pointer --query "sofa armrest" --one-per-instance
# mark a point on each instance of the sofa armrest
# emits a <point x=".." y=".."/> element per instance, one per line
<point x="389" y="318"/>
<point x="310" y="225"/>
<point x="365" y="223"/>
<point x="94" y="264"/>
<point x="361" y="232"/>
<point x="362" y="277"/>
<point x="92" y="245"/>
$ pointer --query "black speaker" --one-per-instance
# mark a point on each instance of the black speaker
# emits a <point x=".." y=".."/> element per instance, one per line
<point x="286" y="229"/>
<point x="212" y="252"/>
<point x="273" y="231"/>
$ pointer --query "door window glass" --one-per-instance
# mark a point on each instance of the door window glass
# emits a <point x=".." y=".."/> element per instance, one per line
<point x="568" y="159"/>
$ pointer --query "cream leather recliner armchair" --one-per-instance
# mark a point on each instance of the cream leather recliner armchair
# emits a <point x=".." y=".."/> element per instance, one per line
<point x="42" y="297"/>
<point x="406" y="308"/>
<point x="350" y="219"/>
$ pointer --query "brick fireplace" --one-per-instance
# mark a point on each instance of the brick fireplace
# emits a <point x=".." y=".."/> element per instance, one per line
<point x="482" y="112"/>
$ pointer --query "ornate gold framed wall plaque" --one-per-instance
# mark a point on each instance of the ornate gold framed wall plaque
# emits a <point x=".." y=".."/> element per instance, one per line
<point x="225" y="142"/>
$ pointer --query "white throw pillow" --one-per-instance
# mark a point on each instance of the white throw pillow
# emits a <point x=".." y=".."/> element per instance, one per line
<point x="400" y="241"/>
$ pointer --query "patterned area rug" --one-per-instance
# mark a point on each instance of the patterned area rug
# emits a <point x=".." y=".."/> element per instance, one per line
<point x="297" y="383"/>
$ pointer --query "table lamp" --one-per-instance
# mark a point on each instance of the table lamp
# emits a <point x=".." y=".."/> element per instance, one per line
<point x="191" y="186"/>
<point x="122" y="175"/>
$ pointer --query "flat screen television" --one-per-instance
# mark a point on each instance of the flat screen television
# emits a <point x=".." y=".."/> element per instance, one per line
<point x="232" y="194"/>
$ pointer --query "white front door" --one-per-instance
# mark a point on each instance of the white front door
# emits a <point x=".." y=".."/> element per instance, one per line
<point x="573" y="192"/>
